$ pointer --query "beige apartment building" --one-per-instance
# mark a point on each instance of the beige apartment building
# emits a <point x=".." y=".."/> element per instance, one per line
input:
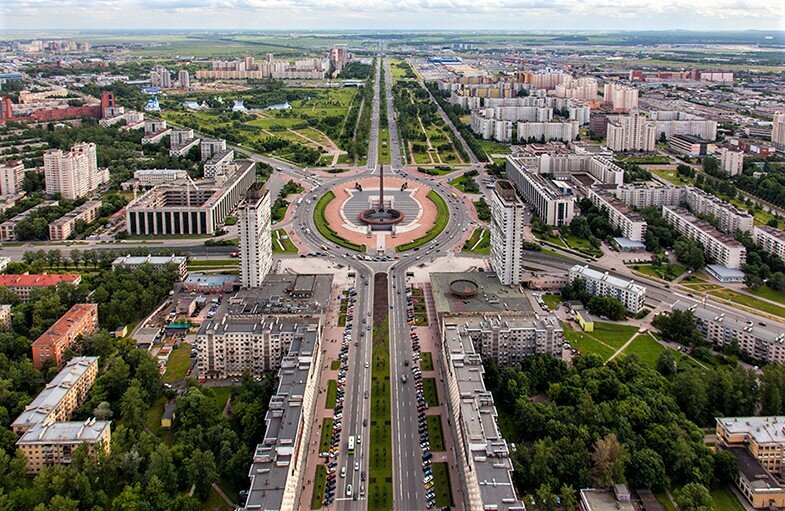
<point x="47" y="444"/>
<point x="62" y="228"/>
<point x="75" y="173"/>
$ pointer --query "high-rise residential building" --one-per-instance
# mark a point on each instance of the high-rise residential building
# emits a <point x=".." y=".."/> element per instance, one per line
<point x="729" y="218"/>
<point x="184" y="79"/>
<point x="731" y="160"/>
<point x="670" y="123"/>
<point x="554" y="204"/>
<point x="507" y="212"/>
<point x="338" y="56"/>
<point x="80" y="319"/>
<point x="160" y="77"/>
<point x="623" y="98"/>
<point x="631" y="132"/>
<point x="778" y="131"/>
<point x="212" y="146"/>
<point x="630" y="294"/>
<point x="509" y="339"/>
<point x="256" y="251"/>
<point x="73" y="174"/>
<point x="642" y="195"/>
<point x="12" y="173"/>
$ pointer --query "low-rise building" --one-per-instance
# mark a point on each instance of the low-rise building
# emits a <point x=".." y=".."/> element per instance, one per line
<point x="158" y="263"/>
<point x="47" y="444"/>
<point x="631" y="224"/>
<point x="719" y="247"/>
<point x="722" y="327"/>
<point x="5" y="315"/>
<point x="23" y="284"/>
<point x="81" y="319"/>
<point x="62" y="228"/>
<point x="630" y="294"/>
<point x="212" y="284"/>
<point x="482" y="454"/>
<point x="689" y="145"/>
<point x="617" y="499"/>
<point x="7" y="228"/>
<point x="61" y="396"/>
<point x="770" y="239"/>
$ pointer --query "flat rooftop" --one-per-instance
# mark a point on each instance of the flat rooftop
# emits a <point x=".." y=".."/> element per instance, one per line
<point x="603" y="500"/>
<point x="758" y="477"/>
<point x="68" y="432"/>
<point x="284" y="294"/>
<point x="765" y="430"/>
<point x="738" y="321"/>
<point x="491" y="296"/>
<point x="589" y="273"/>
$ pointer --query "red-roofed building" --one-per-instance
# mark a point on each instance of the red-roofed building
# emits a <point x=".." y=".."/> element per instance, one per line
<point x="23" y="284"/>
<point x="81" y="319"/>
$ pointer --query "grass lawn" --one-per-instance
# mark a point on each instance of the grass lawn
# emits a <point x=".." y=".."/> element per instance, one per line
<point x="435" y="436"/>
<point x="479" y="243"/>
<point x="319" y="483"/>
<point x="581" y="245"/>
<point x="668" y="272"/>
<point x="750" y="301"/>
<point x="429" y="389"/>
<point x="442" y="217"/>
<point x="332" y="394"/>
<point x="214" y="502"/>
<point x="725" y="500"/>
<point x="326" y="437"/>
<point x="153" y="417"/>
<point x="342" y="312"/>
<point x="604" y="340"/>
<point x="770" y="294"/>
<point x="551" y="239"/>
<point x="491" y="147"/>
<point x="324" y="228"/>
<point x="221" y="396"/>
<point x="426" y="361"/>
<point x="441" y="485"/>
<point x="282" y="244"/>
<point x="647" y="348"/>
<point x="335" y="365"/>
<point x="552" y="300"/>
<point x="178" y="364"/>
<point x="380" y="496"/>
<point x="672" y="177"/>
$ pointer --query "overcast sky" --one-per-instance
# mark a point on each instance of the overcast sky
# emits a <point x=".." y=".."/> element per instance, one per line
<point x="393" y="14"/>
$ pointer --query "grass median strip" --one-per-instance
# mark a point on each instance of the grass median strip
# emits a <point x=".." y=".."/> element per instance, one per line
<point x="442" y="217"/>
<point x="426" y="361"/>
<point x="441" y="485"/>
<point x="435" y="436"/>
<point x="319" y="484"/>
<point x="380" y="467"/>
<point x="332" y="394"/>
<point x="326" y="437"/>
<point x="324" y="228"/>
<point x="429" y="389"/>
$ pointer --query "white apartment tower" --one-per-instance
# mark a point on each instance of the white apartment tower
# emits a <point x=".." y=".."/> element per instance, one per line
<point x="73" y="174"/>
<point x="778" y="131"/>
<point x="256" y="251"/>
<point x="507" y="233"/>
<point x="12" y="173"/>
<point x="731" y="160"/>
<point x="183" y="79"/>
<point x="631" y="133"/>
<point x="622" y="97"/>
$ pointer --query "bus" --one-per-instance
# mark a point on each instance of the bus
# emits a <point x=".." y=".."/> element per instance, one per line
<point x="351" y="445"/>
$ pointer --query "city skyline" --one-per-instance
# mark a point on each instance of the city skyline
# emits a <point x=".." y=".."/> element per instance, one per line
<point x="386" y="15"/>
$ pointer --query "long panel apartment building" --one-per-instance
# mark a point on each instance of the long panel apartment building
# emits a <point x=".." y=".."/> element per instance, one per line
<point x="630" y="294"/>
<point x="729" y="218"/>
<point x="769" y="239"/>
<point x="61" y="396"/>
<point x="7" y="228"/>
<point x="24" y="284"/>
<point x="721" y="327"/>
<point x="62" y="228"/>
<point x="550" y="202"/>
<point x="482" y="454"/>
<point x="642" y="195"/>
<point x="631" y="224"/>
<point x="509" y="339"/>
<point x="185" y="208"/>
<point x="719" y="247"/>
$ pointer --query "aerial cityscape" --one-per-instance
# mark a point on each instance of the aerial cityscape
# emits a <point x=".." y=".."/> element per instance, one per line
<point x="362" y="256"/>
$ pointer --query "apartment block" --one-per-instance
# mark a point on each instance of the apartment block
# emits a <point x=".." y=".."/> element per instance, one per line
<point x="7" y="232"/>
<point x="729" y="218"/>
<point x="279" y="460"/>
<point x="689" y="145"/>
<point x="719" y="247"/>
<point x="62" y="228"/>
<point x="250" y="68"/>
<point x="23" y="284"/>
<point x="565" y="131"/>
<point x="5" y="315"/>
<point x="482" y="454"/>
<point x="642" y="195"/>
<point x="631" y="224"/>
<point x="722" y="327"/>
<point x="256" y="251"/>
<point x="731" y="160"/>
<point x="73" y="174"/>
<point x="157" y="263"/>
<point x="622" y="98"/>
<point x="769" y="239"/>
<point x="12" y="174"/>
<point x="183" y="79"/>
<point x="211" y="146"/>
<point x="219" y="163"/>
<point x="153" y="177"/>
<point x="778" y="131"/>
<point x="631" y="132"/>
<point x="507" y="220"/>
<point x="509" y="339"/>
<point x="53" y="444"/>
<point x="550" y="202"/>
<point x="627" y="292"/>
<point x="671" y="123"/>
<point x="61" y="396"/>
<point x="81" y="319"/>
<point x="182" y="208"/>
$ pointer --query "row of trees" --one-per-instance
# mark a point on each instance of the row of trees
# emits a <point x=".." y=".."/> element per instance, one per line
<point x="453" y="113"/>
